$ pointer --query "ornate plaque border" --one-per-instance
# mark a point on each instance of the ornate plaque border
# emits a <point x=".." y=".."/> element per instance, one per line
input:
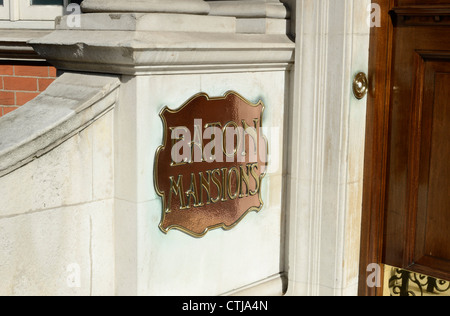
<point x="162" y="194"/>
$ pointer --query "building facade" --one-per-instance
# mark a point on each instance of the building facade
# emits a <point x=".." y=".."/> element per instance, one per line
<point x="106" y="108"/>
<point x="92" y="183"/>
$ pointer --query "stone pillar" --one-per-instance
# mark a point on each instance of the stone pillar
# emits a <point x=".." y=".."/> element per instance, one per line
<point x="148" y="6"/>
<point x="327" y="158"/>
<point x="254" y="16"/>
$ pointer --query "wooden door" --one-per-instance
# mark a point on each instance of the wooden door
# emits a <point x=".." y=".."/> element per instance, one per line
<point x="406" y="211"/>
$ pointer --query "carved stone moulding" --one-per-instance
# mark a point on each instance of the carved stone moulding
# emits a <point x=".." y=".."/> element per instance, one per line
<point x="146" y="6"/>
<point x="254" y="16"/>
<point x="273" y="9"/>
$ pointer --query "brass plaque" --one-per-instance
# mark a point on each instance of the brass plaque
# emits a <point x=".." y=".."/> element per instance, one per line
<point x="210" y="168"/>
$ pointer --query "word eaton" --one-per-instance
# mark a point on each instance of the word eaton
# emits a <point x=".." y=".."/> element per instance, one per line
<point x="236" y="306"/>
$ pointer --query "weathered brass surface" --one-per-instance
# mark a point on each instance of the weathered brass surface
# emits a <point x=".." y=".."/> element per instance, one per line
<point x="360" y="85"/>
<point x="206" y="184"/>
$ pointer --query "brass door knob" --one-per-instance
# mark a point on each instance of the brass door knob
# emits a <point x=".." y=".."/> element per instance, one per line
<point x="360" y="85"/>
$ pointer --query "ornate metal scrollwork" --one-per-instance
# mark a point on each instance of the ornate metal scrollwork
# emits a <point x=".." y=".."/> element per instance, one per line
<point x="406" y="283"/>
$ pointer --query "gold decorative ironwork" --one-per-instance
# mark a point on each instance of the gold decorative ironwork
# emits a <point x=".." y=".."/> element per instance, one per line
<point x="406" y="283"/>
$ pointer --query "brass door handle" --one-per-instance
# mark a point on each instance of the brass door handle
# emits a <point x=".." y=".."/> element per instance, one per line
<point x="360" y="85"/>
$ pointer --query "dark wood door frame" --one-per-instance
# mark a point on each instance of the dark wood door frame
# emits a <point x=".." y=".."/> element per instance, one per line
<point x="417" y="240"/>
<point x="377" y="133"/>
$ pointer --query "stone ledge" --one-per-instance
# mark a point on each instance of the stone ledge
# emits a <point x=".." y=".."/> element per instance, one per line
<point x="131" y="52"/>
<point x="158" y="6"/>
<point x="14" y="44"/>
<point x="249" y="9"/>
<point x="70" y="104"/>
<point x="167" y="22"/>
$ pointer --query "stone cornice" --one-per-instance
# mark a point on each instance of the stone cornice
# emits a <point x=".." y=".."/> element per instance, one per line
<point x="133" y="48"/>
<point x="14" y="46"/>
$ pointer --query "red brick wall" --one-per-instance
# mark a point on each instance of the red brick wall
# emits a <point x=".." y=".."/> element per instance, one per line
<point x="21" y="82"/>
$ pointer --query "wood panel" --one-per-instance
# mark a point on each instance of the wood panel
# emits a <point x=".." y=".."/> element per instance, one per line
<point x="432" y="243"/>
<point x="416" y="190"/>
<point x="404" y="3"/>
